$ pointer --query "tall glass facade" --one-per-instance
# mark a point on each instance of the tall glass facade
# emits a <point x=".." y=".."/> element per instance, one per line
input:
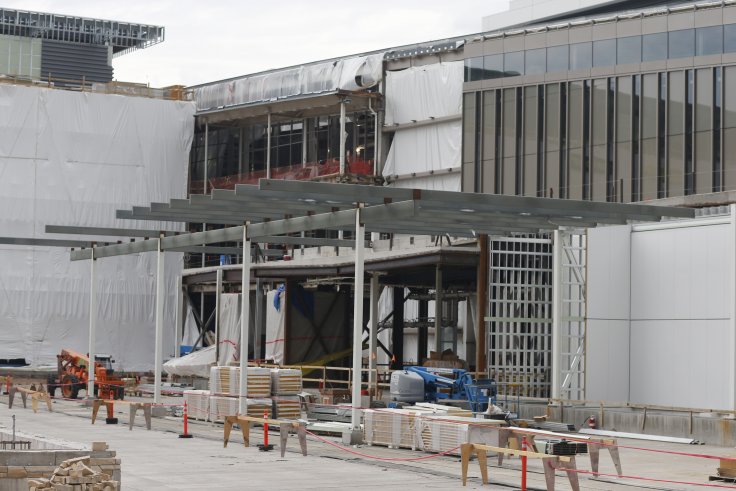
<point x="631" y="117"/>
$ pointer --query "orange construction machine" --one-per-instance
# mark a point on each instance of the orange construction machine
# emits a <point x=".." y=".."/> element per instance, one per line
<point x="73" y="376"/>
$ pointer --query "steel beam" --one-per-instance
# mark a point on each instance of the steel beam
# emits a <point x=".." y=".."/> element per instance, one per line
<point x="107" y="231"/>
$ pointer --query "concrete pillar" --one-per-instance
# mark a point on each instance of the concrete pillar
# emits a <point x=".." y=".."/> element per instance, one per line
<point x="218" y="295"/>
<point x="268" y="147"/>
<point x="342" y="137"/>
<point x="373" y="331"/>
<point x="180" y="317"/>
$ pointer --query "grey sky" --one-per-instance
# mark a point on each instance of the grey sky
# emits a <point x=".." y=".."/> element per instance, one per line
<point x="207" y="41"/>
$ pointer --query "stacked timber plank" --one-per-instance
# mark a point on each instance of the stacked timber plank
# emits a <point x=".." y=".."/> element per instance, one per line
<point x="198" y="404"/>
<point x="225" y="381"/>
<point x="286" y="381"/>
<point x="75" y="475"/>
<point x="420" y="428"/>
<point x="287" y="407"/>
<point x="221" y="407"/>
<point x="391" y="428"/>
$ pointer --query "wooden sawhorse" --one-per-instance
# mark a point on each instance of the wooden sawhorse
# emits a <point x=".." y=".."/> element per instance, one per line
<point x="134" y="406"/>
<point x="550" y="463"/>
<point x="285" y="426"/>
<point x="594" y="446"/>
<point x="35" y="397"/>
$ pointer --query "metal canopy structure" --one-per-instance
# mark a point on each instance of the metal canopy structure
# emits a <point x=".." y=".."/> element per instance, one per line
<point x="273" y="209"/>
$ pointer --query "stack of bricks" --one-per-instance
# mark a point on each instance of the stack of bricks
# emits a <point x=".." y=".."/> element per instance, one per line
<point x="75" y="475"/>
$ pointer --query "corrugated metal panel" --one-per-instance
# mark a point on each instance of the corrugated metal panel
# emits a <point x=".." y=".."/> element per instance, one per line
<point x="69" y="61"/>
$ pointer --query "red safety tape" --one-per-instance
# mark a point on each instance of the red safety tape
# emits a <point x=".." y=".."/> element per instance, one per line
<point x="399" y="459"/>
<point x="641" y="478"/>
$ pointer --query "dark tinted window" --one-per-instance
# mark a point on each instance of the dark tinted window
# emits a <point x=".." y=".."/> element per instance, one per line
<point x="682" y="43"/>
<point x="557" y="59"/>
<point x="493" y="66"/>
<point x="473" y="69"/>
<point x="729" y="38"/>
<point x="709" y="40"/>
<point x="604" y="52"/>
<point x="629" y="50"/>
<point x="536" y="61"/>
<point x="581" y="56"/>
<point x="654" y="46"/>
<point x="513" y="63"/>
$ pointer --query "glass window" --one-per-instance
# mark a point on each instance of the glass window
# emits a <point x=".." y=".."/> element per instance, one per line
<point x="628" y="50"/>
<point x="709" y="40"/>
<point x="557" y="59"/>
<point x="493" y="66"/>
<point x="654" y="47"/>
<point x="682" y="43"/>
<point x="729" y="38"/>
<point x="536" y="61"/>
<point x="513" y="63"/>
<point x="581" y="56"/>
<point x="604" y="52"/>
<point x="473" y="69"/>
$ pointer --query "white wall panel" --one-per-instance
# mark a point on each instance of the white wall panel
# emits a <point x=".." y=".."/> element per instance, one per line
<point x="607" y="369"/>
<point x="681" y="363"/>
<point x="608" y="272"/>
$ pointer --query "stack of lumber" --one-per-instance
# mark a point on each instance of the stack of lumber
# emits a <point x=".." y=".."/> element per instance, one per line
<point x="198" y="404"/>
<point x="221" y="407"/>
<point x="287" y="407"/>
<point x="441" y="409"/>
<point x="225" y="381"/>
<point x="286" y="381"/>
<point x="442" y="433"/>
<point x="394" y="428"/>
<point x="75" y="475"/>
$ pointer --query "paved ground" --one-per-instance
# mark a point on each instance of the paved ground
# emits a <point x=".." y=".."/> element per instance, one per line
<point x="159" y="460"/>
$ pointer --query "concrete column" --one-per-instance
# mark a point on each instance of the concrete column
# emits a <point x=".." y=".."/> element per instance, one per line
<point x="305" y="122"/>
<point x="373" y="331"/>
<point x="357" y="321"/>
<point x="342" y="137"/>
<point x="241" y="144"/>
<point x="556" y="313"/>
<point x="397" y="330"/>
<point x="260" y="319"/>
<point x="158" y="358"/>
<point x="732" y="364"/>
<point x="244" y="324"/>
<point x="180" y="317"/>
<point x="92" y="328"/>
<point x="218" y="294"/>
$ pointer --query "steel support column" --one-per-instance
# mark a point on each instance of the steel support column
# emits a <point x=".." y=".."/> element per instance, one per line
<point x="268" y="147"/>
<point x="92" y="327"/>
<point x="260" y="319"/>
<point x="422" y="342"/>
<point x="373" y="332"/>
<point x="481" y="360"/>
<point x="158" y="363"/>
<point x="343" y="137"/>
<point x="397" y="330"/>
<point x="556" y="314"/>
<point x="244" y="324"/>
<point x="357" y="321"/>
<point x="218" y="306"/>
<point x="438" y="310"/>
<point x="180" y="316"/>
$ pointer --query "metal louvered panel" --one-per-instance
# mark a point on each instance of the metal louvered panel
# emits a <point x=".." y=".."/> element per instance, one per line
<point x="74" y="62"/>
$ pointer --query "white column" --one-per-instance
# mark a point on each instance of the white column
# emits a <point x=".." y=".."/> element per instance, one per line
<point x="158" y="363"/>
<point x="556" y="313"/>
<point x="342" y="137"/>
<point x="179" y="329"/>
<point x="373" y="331"/>
<point x="218" y="293"/>
<point x="92" y="328"/>
<point x="305" y="134"/>
<point x="268" y="148"/>
<point x="357" y="320"/>
<point x="244" y="324"/>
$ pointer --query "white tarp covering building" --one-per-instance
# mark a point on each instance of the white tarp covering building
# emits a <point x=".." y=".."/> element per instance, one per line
<point x="71" y="158"/>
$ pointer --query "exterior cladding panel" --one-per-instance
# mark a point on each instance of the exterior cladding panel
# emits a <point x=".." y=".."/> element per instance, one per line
<point x="69" y="61"/>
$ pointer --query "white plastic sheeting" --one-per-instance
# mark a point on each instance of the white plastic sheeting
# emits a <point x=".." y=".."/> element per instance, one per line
<point x="350" y="74"/>
<point x="419" y="94"/>
<point x="195" y="364"/>
<point x="275" y="320"/>
<point x="229" y="329"/>
<point x="71" y="158"/>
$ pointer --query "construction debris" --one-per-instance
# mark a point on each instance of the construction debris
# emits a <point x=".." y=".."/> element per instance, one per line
<point x="75" y="475"/>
